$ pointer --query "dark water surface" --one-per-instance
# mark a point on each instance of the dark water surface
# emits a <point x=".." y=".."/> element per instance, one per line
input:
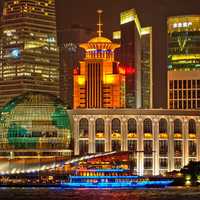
<point x="83" y="194"/>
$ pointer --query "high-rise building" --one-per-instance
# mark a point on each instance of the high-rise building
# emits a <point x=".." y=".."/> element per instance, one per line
<point x="30" y="57"/>
<point x="136" y="59"/>
<point x="70" y="56"/>
<point x="184" y="62"/>
<point x="100" y="82"/>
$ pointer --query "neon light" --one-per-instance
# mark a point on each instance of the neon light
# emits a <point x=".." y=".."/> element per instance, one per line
<point x="109" y="79"/>
<point x="104" y="177"/>
<point x="130" y="70"/>
<point x="104" y="170"/>
<point x="81" y="80"/>
<point x="118" y="184"/>
<point x="186" y="57"/>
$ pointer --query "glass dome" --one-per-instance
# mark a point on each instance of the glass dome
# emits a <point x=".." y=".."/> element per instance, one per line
<point x="35" y="121"/>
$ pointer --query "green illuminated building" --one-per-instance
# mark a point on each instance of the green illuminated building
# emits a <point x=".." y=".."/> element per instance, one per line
<point x="33" y="125"/>
<point x="184" y="42"/>
<point x="184" y="62"/>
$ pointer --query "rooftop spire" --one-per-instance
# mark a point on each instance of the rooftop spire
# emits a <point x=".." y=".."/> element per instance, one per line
<point x="99" y="31"/>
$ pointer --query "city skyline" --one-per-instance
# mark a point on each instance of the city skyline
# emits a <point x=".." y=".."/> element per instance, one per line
<point x="99" y="101"/>
<point x="152" y="13"/>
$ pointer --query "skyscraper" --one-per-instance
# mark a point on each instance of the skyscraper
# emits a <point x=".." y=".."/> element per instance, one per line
<point x="136" y="59"/>
<point x="30" y="57"/>
<point x="184" y="62"/>
<point x="100" y="82"/>
<point x="70" y="56"/>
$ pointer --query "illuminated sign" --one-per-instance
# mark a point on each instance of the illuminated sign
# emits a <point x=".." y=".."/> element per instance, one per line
<point x="182" y="25"/>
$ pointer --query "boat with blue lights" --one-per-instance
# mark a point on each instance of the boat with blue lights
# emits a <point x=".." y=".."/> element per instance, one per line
<point x="112" y="178"/>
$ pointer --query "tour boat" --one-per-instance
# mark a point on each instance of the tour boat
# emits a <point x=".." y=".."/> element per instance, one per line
<point x="112" y="178"/>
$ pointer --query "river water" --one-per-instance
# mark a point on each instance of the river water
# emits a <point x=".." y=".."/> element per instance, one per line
<point x="99" y="194"/>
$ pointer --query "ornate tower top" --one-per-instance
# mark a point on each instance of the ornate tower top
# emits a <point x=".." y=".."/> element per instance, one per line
<point x="99" y="47"/>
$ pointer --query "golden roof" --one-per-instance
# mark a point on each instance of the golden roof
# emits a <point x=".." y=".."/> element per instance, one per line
<point x="99" y="40"/>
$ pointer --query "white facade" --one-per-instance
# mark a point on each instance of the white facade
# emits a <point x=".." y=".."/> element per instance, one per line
<point x="160" y="140"/>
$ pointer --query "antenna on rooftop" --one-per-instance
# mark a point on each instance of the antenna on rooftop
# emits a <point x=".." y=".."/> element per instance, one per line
<point x="99" y="31"/>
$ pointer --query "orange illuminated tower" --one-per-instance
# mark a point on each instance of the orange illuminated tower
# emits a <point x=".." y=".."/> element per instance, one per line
<point x="100" y="82"/>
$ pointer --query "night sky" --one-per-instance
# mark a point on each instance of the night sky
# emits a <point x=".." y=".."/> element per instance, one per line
<point x="150" y="11"/>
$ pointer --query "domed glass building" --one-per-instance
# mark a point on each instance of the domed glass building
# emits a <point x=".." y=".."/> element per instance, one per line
<point x="34" y="125"/>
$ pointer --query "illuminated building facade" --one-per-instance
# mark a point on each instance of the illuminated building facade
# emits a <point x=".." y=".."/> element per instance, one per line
<point x="159" y="140"/>
<point x="184" y="62"/>
<point x="100" y="81"/>
<point x="136" y="58"/>
<point x="30" y="57"/>
<point x="70" y="56"/>
<point x="34" y="128"/>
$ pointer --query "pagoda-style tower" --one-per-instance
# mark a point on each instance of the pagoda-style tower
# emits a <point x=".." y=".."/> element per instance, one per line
<point x="100" y="82"/>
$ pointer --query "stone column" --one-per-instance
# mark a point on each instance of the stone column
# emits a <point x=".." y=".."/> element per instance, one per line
<point x="124" y="134"/>
<point x="140" y="149"/>
<point x="198" y="138"/>
<point x="107" y="134"/>
<point x="91" y="135"/>
<point x="76" y="135"/>
<point x="171" y="145"/>
<point x="156" y="147"/>
<point x="185" y="142"/>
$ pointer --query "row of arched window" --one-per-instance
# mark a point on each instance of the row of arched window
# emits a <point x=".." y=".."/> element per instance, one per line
<point x="132" y="126"/>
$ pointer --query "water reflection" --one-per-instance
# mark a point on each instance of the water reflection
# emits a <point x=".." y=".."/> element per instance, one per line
<point x="95" y="194"/>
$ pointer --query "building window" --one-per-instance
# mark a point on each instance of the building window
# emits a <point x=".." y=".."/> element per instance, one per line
<point x="171" y="84"/>
<point x="163" y="126"/>
<point x="177" y="126"/>
<point x="100" y="146"/>
<point x="180" y="84"/>
<point x="163" y="163"/>
<point x="148" y="163"/>
<point x="192" y="126"/>
<point x="99" y="128"/>
<point x="116" y="128"/>
<point x="192" y="149"/>
<point x="177" y="148"/>
<point x="163" y="148"/>
<point x="175" y="85"/>
<point x="189" y="84"/>
<point x="116" y="145"/>
<point x="184" y="84"/>
<point x="132" y="145"/>
<point x="83" y="128"/>
<point x="177" y="163"/>
<point x="148" y="147"/>
<point x="132" y="126"/>
<point x="147" y="126"/>
<point x="83" y="147"/>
